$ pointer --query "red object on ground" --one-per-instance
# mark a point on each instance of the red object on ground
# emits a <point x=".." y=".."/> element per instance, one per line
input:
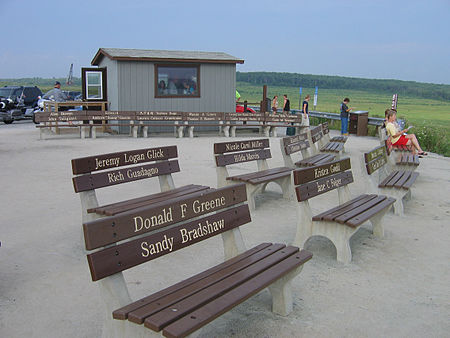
<point x="240" y="109"/>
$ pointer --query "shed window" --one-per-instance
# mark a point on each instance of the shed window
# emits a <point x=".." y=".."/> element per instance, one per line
<point x="93" y="84"/>
<point x="177" y="81"/>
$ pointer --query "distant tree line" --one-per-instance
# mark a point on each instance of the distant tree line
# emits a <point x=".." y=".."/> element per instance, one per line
<point x="40" y="82"/>
<point x="404" y="88"/>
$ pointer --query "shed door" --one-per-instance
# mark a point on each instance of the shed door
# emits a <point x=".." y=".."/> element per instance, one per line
<point x="94" y="84"/>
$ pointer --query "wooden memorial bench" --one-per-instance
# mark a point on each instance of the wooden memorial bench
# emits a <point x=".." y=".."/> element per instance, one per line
<point x="299" y="143"/>
<point x="229" y="153"/>
<point x="282" y="120"/>
<point x="404" y="160"/>
<point x="95" y="172"/>
<point x="326" y="134"/>
<point x="253" y="121"/>
<point x="319" y="144"/>
<point x="396" y="183"/>
<point x="119" y="243"/>
<point x="340" y="223"/>
<point x="207" y="119"/>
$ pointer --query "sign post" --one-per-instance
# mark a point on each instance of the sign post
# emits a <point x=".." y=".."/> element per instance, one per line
<point x="315" y="97"/>
<point x="300" y="99"/>
<point x="394" y="101"/>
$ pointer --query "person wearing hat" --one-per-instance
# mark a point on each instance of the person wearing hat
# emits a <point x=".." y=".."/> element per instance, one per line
<point x="56" y="94"/>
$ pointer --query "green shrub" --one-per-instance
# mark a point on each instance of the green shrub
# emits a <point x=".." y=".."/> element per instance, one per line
<point x="433" y="138"/>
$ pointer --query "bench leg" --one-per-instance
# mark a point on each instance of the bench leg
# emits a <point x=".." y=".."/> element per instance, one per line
<point x="180" y="130"/>
<point x="267" y="131"/>
<point x="145" y="131"/>
<point x="135" y="131"/>
<point x="93" y="132"/>
<point x="233" y="131"/>
<point x="252" y="191"/>
<point x="166" y="182"/>
<point x="82" y="133"/>
<point x="281" y="291"/>
<point x="226" y="131"/>
<point x="273" y="131"/>
<point x="377" y="224"/>
<point x="191" y="131"/>
<point x="304" y="224"/>
<point x="233" y="244"/>
<point x="398" y="194"/>
<point x="114" y="292"/>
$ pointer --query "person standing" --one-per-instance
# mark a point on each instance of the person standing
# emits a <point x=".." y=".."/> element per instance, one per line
<point x="275" y="104"/>
<point x="305" y="111"/>
<point x="344" y="116"/>
<point x="56" y="93"/>
<point x="238" y="96"/>
<point x="286" y="104"/>
<point x="290" y="131"/>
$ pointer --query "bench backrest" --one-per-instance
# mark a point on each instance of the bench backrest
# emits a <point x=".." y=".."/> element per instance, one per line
<point x="388" y="144"/>
<point x="293" y="144"/>
<point x="179" y="223"/>
<point x="316" y="180"/>
<point x="115" y="168"/>
<point x="325" y="128"/>
<point x="227" y="153"/>
<point x="316" y="133"/>
<point x="251" y="117"/>
<point x="375" y="159"/>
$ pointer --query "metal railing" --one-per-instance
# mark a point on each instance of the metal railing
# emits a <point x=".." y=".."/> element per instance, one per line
<point x="374" y="121"/>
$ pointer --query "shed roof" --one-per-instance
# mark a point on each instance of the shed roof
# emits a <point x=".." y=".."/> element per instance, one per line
<point x="163" y="55"/>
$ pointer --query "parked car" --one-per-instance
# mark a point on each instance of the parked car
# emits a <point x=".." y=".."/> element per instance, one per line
<point x="240" y="109"/>
<point x="17" y="101"/>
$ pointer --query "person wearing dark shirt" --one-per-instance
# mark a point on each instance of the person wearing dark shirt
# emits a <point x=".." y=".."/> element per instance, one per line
<point x="290" y="131"/>
<point x="286" y="105"/>
<point x="305" y="117"/>
<point x="344" y="115"/>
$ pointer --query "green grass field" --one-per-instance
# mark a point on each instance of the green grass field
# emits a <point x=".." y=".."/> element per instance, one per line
<point x="415" y="110"/>
<point x="430" y="118"/>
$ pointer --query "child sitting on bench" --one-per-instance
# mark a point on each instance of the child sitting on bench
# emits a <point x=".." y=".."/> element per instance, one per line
<point x="398" y="137"/>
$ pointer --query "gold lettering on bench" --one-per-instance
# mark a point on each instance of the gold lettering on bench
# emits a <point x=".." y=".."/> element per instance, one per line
<point x="115" y="177"/>
<point x="163" y="218"/>
<point x="165" y="244"/>
<point x="251" y="157"/>
<point x="134" y="158"/>
<point x="131" y="173"/>
<point x="333" y="168"/>
<point x="153" y="154"/>
<point x="201" y="207"/>
<point x="201" y="230"/>
<point x="107" y="162"/>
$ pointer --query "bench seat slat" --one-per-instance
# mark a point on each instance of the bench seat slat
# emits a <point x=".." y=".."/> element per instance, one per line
<point x="329" y="215"/>
<point x="405" y="177"/>
<point x="310" y="161"/>
<point x="138" y="316"/>
<point x="410" y="181"/>
<point x="343" y="218"/>
<point x="361" y="218"/>
<point x="339" y="139"/>
<point x="269" y="177"/>
<point x="166" y="316"/>
<point x="259" y="174"/>
<point x="223" y="303"/>
<point x="390" y="180"/>
<point x="115" y="208"/>
<point x="123" y="312"/>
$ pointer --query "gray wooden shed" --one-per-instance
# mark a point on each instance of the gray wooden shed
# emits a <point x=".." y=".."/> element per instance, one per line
<point x="163" y="80"/>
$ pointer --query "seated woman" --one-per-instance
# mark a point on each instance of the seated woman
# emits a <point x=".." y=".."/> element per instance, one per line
<point x="397" y="136"/>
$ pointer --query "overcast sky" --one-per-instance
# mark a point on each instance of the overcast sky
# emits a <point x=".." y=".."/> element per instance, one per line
<point x="389" y="39"/>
